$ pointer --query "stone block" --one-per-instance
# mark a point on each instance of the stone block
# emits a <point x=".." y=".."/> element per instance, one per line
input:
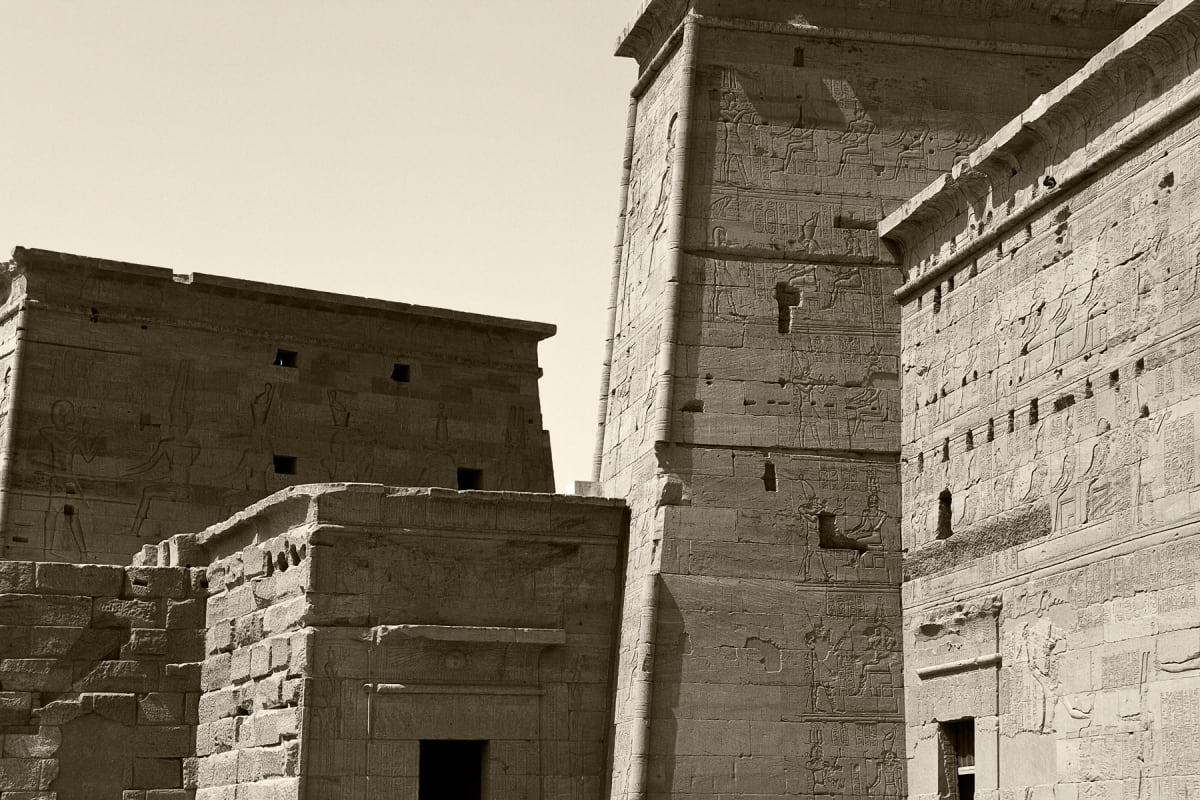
<point x="180" y="677"/>
<point x="79" y="579"/>
<point x="111" y="613"/>
<point x="75" y="644"/>
<point x="117" y="676"/>
<point x="147" y="582"/>
<point x="14" y="641"/>
<point x="161" y="708"/>
<point x="16" y="576"/>
<point x="120" y="707"/>
<point x="34" y="609"/>
<point x="34" y="675"/>
<point x="157" y="773"/>
<point x="43" y="744"/>
<point x="163" y="741"/>
<point x="186" y="613"/>
<point x="215" y="671"/>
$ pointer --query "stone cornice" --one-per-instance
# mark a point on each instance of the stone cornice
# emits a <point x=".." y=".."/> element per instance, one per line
<point x="1085" y="125"/>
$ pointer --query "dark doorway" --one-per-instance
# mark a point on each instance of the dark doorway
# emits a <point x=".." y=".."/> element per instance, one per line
<point x="451" y="769"/>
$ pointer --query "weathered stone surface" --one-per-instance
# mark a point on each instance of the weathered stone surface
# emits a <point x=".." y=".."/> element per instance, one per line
<point x="185" y="399"/>
<point x="1050" y="315"/>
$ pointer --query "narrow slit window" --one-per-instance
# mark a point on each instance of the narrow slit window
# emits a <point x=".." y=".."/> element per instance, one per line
<point x="1033" y="411"/>
<point x="1114" y="379"/>
<point x="970" y="440"/>
<point x="470" y="479"/>
<point x="945" y="514"/>
<point x="920" y="463"/>
<point x="937" y="298"/>
<point x="945" y="450"/>
<point x="769" y="483"/>
<point x="1139" y="367"/>
<point x="991" y="430"/>
<point x="1087" y="390"/>
<point x="286" y="358"/>
<point x="284" y="465"/>
<point x="1012" y="420"/>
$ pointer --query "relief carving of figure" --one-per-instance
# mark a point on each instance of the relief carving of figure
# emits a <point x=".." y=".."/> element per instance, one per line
<point x="168" y="466"/>
<point x="67" y="438"/>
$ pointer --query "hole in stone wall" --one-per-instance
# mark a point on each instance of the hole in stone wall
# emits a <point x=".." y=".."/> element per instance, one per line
<point x="1114" y="379"/>
<point x="945" y="450"/>
<point x="1139" y="367"/>
<point x="470" y="479"/>
<point x="1144" y="412"/>
<point x="786" y="296"/>
<point x="1087" y="390"/>
<point x="991" y="430"/>
<point x="970" y="440"/>
<point x="1064" y="402"/>
<point x="68" y="511"/>
<point x="286" y="358"/>
<point x="1012" y="420"/>
<point x="945" y="514"/>
<point x="401" y="373"/>
<point x="281" y="562"/>
<point x="957" y="754"/>
<point x="769" y="483"/>
<point x="949" y="285"/>
<point x="1033" y="411"/>
<point x="798" y="57"/>
<point x="937" y="299"/>
<point x="451" y="768"/>
<point x="284" y="465"/>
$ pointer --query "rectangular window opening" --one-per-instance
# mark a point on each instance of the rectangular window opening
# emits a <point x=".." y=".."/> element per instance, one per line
<point x="284" y="465"/>
<point x="958" y="759"/>
<point x="286" y="358"/>
<point x="451" y="768"/>
<point x="1064" y="402"/>
<point x="401" y="373"/>
<point x="470" y="479"/>
<point x="1033" y="411"/>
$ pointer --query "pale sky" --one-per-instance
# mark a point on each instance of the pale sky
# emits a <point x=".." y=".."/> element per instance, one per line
<point x="441" y="152"/>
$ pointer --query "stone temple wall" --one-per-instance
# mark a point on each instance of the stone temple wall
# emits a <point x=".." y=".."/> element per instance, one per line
<point x="99" y="680"/>
<point x="759" y="455"/>
<point x="1051" y="315"/>
<point x="137" y="403"/>
<point x="350" y="626"/>
<point x="334" y="638"/>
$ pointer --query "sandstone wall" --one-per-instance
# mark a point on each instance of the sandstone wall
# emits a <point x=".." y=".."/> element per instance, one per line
<point x="759" y="455"/>
<point x="137" y="403"/>
<point x="1049" y="323"/>
<point x="99" y="681"/>
<point x="348" y="624"/>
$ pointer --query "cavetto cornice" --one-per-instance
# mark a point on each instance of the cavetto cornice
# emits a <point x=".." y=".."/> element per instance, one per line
<point x="1083" y="24"/>
<point x="1132" y="91"/>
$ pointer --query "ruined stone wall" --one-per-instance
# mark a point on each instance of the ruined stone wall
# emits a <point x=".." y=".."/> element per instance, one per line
<point x="347" y="624"/>
<point x="99" y="681"/>
<point x="139" y="403"/>
<point x="1049" y="323"/>
<point x="759" y="455"/>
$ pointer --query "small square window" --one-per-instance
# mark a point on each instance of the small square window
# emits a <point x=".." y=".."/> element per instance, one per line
<point x="401" y="373"/>
<point x="470" y="478"/>
<point x="286" y="358"/>
<point x="285" y="465"/>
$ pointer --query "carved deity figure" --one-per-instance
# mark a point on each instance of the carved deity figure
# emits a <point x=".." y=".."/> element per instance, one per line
<point x="67" y="438"/>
